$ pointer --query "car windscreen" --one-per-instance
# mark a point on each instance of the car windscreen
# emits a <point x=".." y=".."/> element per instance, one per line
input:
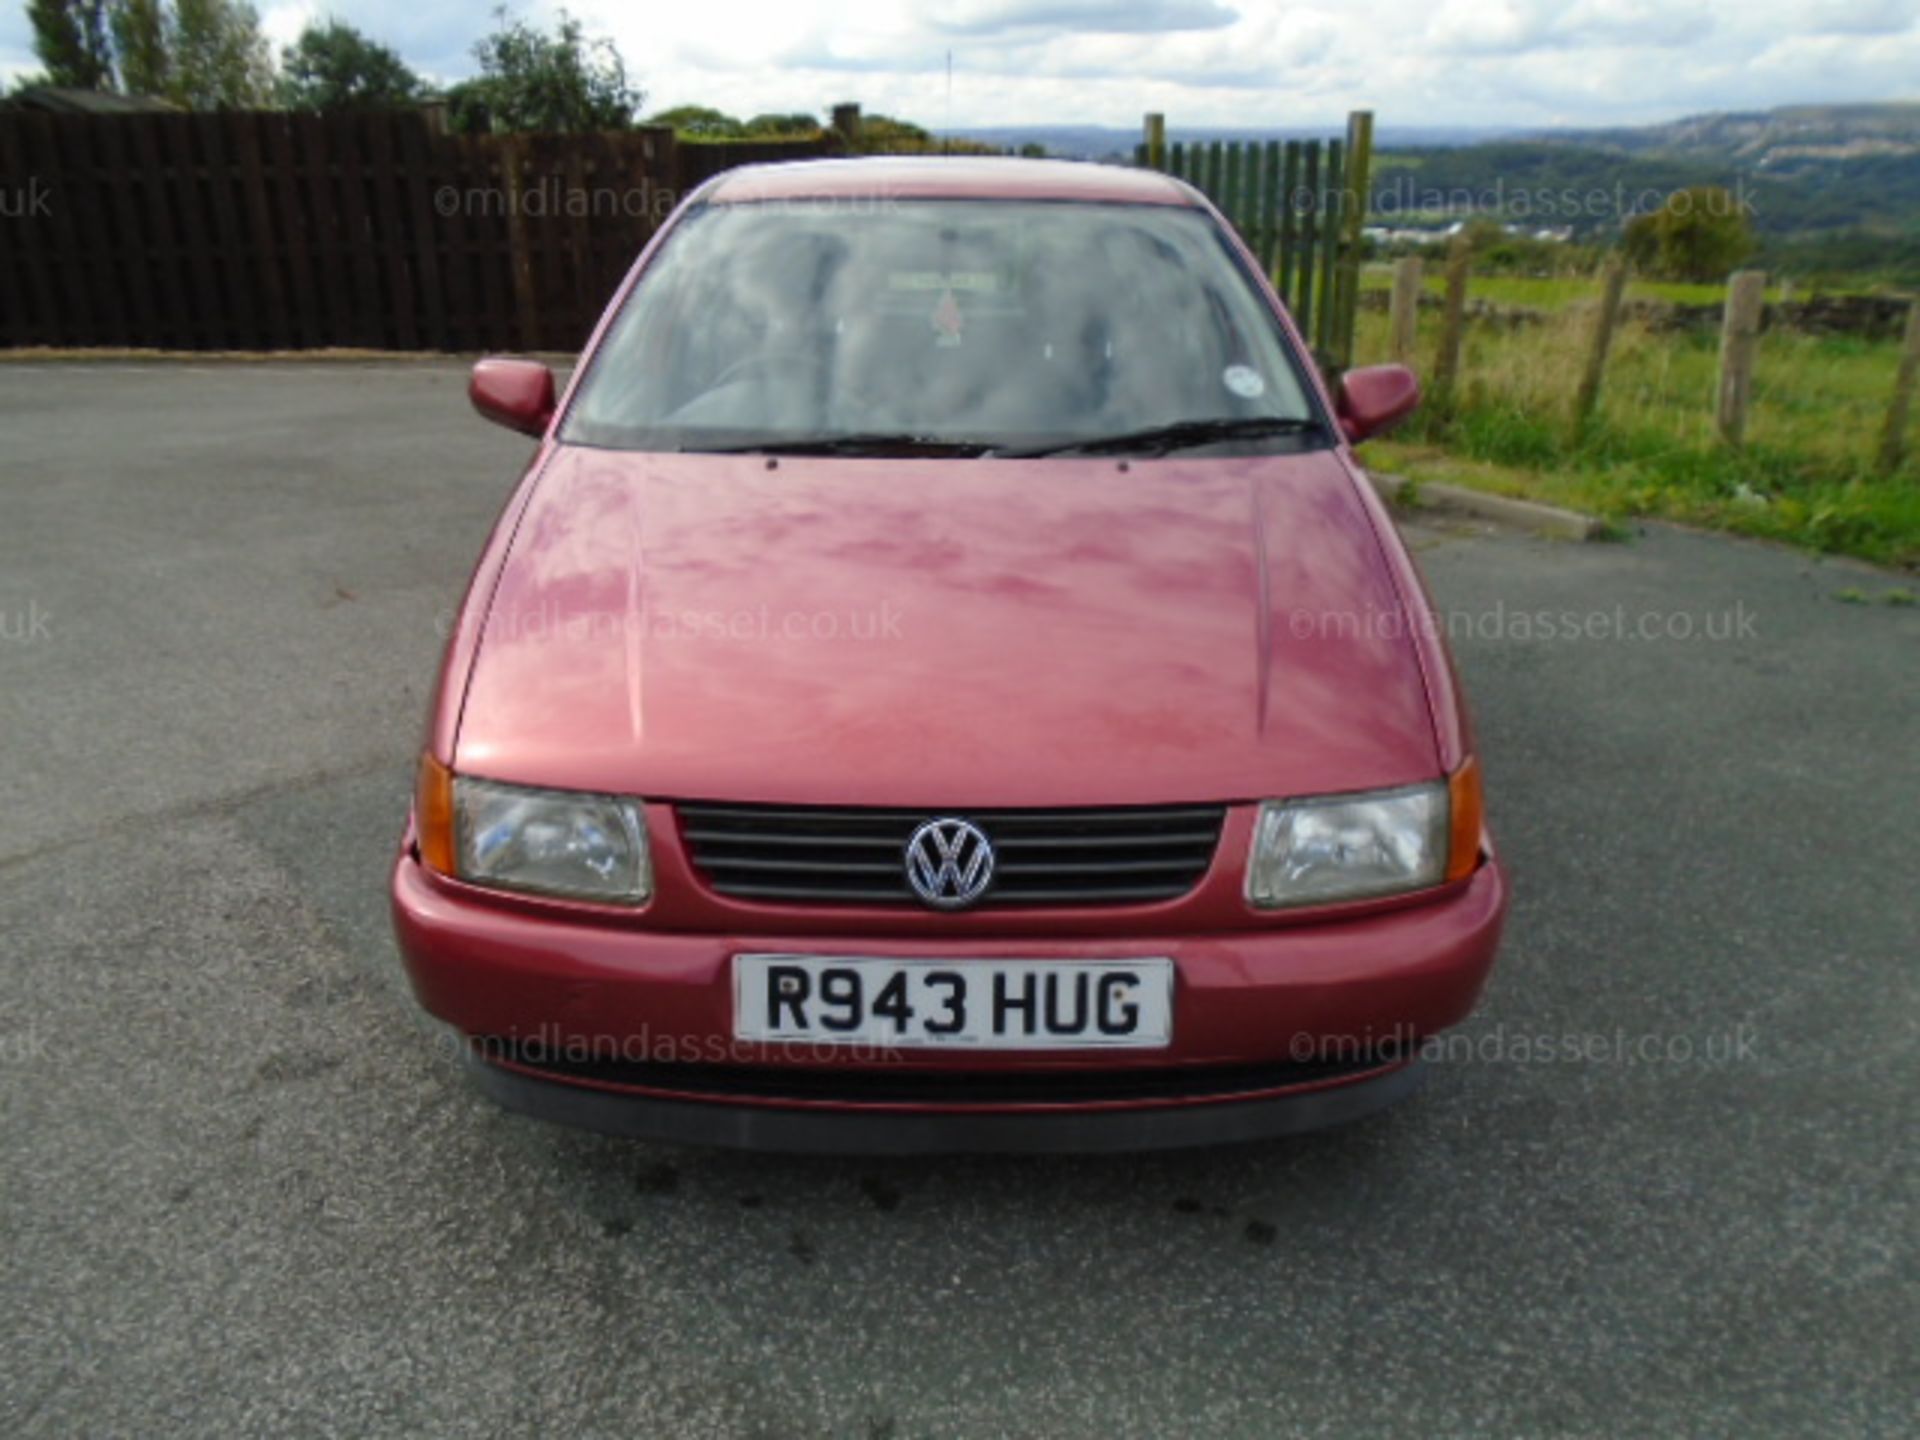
<point x="983" y="323"/>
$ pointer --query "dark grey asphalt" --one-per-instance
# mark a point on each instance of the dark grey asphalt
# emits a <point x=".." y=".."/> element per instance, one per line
<point x="244" y="1191"/>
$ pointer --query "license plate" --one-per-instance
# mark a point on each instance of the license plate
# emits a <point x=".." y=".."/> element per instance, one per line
<point x="957" y="1004"/>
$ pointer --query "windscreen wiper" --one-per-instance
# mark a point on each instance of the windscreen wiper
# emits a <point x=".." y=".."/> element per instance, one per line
<point x="874" y="443"/>
<point x="1182" y="434"/>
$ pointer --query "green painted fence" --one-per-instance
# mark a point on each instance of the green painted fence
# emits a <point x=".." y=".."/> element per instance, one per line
<point x="1296" y="204"/>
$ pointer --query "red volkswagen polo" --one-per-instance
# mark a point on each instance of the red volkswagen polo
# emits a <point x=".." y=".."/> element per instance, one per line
<point x="943" y="682"/>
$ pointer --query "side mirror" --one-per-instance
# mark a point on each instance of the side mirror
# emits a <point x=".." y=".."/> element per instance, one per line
<point x="1375" y="397"/>
<point x="515" y="393"/>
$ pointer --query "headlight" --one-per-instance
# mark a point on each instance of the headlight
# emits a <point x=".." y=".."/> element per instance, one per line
<point x="1348" y="847"/>
<point x="550" y="842"/>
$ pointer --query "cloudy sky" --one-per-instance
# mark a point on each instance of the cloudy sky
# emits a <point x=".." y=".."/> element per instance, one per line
<point x="1215" y="62"/>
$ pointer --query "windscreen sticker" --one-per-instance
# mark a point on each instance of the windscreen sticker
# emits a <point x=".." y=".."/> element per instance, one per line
<point x="947" y="321"/>
<point x="1244" y="381"/>
<point x="983" y="282"/>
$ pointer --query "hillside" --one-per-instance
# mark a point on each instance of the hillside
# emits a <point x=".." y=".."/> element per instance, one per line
<point x="1805" y="170"/>
<point x="1552" y="181"/>
<point x="1831" y="188"/>
<point x="1790" y="136"/>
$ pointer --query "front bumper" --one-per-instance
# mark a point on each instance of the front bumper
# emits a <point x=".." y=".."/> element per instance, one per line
<point x="1309" y="1024"/>
<point x="892" y="1130"/>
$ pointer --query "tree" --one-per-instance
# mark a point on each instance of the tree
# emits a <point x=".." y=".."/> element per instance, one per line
<point x="555" y="83"/>
<point x="699" y="122"/>
<point x="71" y="39"/>
<point x="467" y="112"/>
<point x="203" y="54"/>
<point x="1700" y="233"/>
<point x="783" y="125"/>
<point x="216" y="55"/>
<point x="1498" y="250"/>
<point x="1482" y="233"/>
<point x="884" y="133"/>
<point x="140" y="43"/>
<point x="332" y="66"/>
<point x="1640" y="242"/>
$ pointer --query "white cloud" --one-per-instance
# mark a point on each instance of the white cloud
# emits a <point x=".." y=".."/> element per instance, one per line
<point x="1521" y="62"/>
<point x="1634" y="23"/>
<point x="1250" y="62"/>
<point x="1474" y="27"/>
<point x="282" y="23"/>
<point x="1853" y="17"/>
<point x="1087" y="17"/>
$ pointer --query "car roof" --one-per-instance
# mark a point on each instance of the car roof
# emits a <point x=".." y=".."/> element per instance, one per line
<point x="956" y="177"/>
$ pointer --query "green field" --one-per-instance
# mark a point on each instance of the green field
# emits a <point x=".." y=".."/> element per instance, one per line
<point x="1806" y="473"/>
<point x="1554" y="292"/>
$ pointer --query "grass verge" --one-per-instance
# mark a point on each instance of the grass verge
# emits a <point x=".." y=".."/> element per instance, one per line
<point x="1805" y="475"/>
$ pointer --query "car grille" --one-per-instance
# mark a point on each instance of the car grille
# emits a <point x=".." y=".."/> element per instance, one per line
<point x="827" y="856"/>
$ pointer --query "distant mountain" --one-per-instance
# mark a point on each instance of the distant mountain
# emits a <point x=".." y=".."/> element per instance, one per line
<point x="1100" y="142"/>
<point x="1748" y="141"/>
<point x="1790" y="136"/>
<point x="1803" y="170"/>
<point x="1840" y="180"/>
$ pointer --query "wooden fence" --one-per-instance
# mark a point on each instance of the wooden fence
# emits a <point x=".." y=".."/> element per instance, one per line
<point x="1297" y="205"/>
<point x="1742" y="317"/>
<point x="266" y="230"/>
